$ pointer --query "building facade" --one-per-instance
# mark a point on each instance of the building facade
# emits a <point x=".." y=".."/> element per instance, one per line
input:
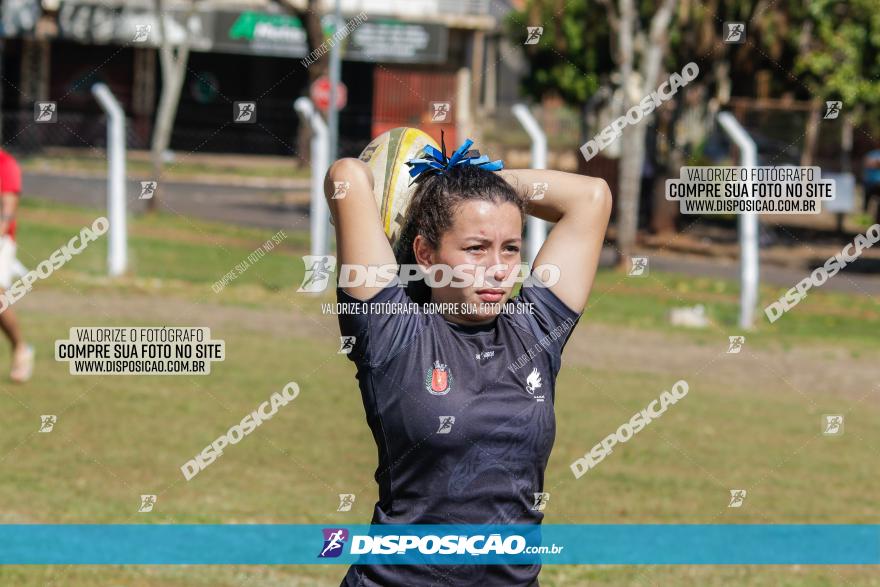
<point x="400" y="61"/>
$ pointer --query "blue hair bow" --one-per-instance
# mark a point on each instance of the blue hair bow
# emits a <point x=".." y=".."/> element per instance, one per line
<point x="435" y="160"/>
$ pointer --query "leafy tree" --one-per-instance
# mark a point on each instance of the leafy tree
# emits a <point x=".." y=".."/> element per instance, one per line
<point x="818" y="50"/>
<point x="840" y="55"/>
<point x="839" y="58"/>
<point x="587" y="41"/>
<point x="570" y="57"/>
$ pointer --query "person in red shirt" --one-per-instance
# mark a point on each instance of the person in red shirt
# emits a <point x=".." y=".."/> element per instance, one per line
<point x="10" y="191"/>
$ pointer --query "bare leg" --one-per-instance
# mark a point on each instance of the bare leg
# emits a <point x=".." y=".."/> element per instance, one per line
<point x="9" y="325"/>
<point x="22" y="353"/>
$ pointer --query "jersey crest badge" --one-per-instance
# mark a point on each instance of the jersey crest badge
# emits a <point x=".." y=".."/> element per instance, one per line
<point x="438" y="381"/>
<point x="533" y="383"/>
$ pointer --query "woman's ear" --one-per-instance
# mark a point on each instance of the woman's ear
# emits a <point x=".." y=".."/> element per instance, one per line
<point x="423" y="251"/>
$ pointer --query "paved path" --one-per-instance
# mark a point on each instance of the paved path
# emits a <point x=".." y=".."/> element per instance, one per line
<point x="268" y="206"/>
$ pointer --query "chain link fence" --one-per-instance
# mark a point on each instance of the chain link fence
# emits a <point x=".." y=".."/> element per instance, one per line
<point x="21" y="134"/>
<point x="205" y="130"/>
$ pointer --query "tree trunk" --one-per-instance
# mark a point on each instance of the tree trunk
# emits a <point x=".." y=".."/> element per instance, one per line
<point x="665" y="212"/>
<point x="632" y="157"/>
<point x="846" y="139"/>
<point x="173" y="75"/>
<point x="311" y="20"/>
<point x="628" y="178"/>
<point x="631" y="162"/>
<point x="812" y="134"/>
<point x="173" y="65"/>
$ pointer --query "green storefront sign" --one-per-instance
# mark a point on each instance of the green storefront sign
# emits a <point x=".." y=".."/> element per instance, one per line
<point x="376" y="39"/>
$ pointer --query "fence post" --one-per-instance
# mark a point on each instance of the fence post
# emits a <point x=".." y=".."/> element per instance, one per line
<point x="748" y="225"/>
<point x="117" y="255"/>
<point x="319" y="213"/>
<point x="536" y="228"/>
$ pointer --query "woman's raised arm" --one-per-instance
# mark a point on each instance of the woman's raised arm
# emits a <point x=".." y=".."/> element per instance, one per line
<point x="580" y="206"/>
<point x="360" y="239"/>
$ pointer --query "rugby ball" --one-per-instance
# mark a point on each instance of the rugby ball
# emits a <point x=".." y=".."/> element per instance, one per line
<point x="386" y="156"/>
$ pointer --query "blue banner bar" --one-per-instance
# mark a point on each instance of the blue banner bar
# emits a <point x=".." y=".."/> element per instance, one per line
<point x="268" y="544"/>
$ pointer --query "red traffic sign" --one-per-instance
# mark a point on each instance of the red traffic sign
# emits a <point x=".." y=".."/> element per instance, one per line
<point x="320" y="94"/>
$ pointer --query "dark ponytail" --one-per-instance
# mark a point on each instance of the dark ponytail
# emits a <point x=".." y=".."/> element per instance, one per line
<point x="433" y="206"/>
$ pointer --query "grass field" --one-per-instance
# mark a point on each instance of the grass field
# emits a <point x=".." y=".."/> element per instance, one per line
<point x="138" y="165"/>
<point x="750" y="421"/>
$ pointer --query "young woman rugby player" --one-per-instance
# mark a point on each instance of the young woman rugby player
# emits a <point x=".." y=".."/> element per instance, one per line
<point x="461" y="406"/>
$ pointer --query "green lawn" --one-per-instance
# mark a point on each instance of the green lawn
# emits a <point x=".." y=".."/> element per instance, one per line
<point x="118" y="437"/>
<point x="180" y="168"/>
<point x="188" y="256"/>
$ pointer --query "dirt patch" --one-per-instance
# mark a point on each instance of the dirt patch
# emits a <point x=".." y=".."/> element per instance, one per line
<point x="167" y="310"/>
<point x="803" y="370"/>
<point x="672" y="355"/>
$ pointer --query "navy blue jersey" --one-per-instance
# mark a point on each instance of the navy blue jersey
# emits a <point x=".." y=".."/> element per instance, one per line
<point x="463" y="420"/>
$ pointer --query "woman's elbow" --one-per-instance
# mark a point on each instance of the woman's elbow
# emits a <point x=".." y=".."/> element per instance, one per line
<point x="350" y="169"/>
<point x="347" y="172"/>
<point x="599" y="194"/>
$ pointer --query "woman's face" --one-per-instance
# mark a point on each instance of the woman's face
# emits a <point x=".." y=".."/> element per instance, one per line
<point x="483" y="235"/>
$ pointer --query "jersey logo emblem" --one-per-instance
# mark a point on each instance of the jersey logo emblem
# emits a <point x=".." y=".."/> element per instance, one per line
<point x="533" y="383"/>
<point x="438" y="381"/>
